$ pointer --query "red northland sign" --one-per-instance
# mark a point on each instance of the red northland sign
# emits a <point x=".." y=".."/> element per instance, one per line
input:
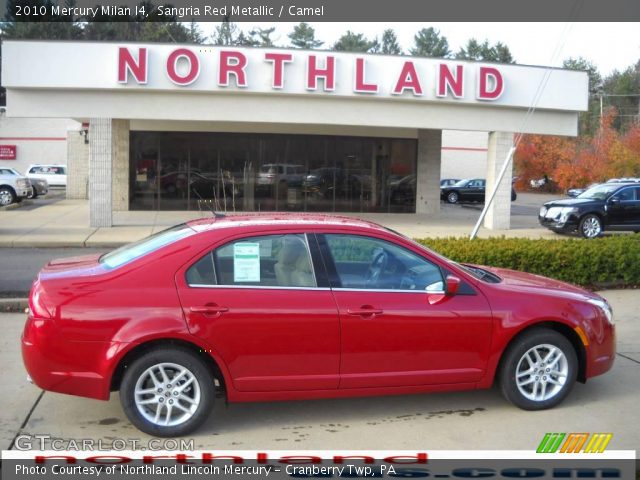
<point x="183" y="66"/>
<point x="7" y="152"/>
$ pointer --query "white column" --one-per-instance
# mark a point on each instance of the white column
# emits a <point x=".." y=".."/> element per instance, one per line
<point x="120" y="163"/>
<point x="77" y="166"/>
<point x="100" y="172"/>
<point x="499" y="214"/>
<point x="428" y="171"/>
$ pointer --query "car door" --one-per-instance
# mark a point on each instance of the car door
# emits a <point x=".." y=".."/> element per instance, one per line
<point x="257" y="302"/>
<point x="623" y="208"/>
<point x="391" y="334"/>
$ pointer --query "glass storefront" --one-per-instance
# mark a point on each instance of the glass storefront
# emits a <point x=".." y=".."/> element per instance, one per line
<point x="256" y="172"/>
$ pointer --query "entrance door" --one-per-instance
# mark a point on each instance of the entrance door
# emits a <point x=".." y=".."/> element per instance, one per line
<point x="391" y="334"/>
<point x="255" y="300"/>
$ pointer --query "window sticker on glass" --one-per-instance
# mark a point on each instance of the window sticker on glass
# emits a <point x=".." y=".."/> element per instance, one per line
<point x="246" y="262"/>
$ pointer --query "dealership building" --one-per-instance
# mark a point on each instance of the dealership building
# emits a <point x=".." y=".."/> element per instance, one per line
<point x="170" y="127"/>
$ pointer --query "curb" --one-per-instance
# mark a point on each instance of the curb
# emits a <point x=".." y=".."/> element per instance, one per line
<point x="14" y="305"/>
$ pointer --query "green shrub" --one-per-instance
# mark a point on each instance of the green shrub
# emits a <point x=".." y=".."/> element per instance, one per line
<point x="602" y="262"/>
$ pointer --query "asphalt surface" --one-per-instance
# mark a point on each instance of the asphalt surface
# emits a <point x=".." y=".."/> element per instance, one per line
<point x="19" y="266"/>
<point x="461" y="420"/>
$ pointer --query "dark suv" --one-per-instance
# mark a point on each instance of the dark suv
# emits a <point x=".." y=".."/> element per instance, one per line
<point x="608" y="206"/>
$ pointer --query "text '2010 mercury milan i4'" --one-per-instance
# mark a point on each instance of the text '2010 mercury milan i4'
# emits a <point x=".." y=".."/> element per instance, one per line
<point x="295" y="306"/>
<point x="609" y="206"/>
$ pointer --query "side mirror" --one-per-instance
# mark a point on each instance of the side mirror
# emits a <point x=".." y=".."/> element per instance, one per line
<point x="453" y="285"/>
<point x="614" y="200"/>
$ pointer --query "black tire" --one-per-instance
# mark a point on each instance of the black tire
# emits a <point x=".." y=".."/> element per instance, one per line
<point x="514" y="361"/>
<point x="33" y="194"/>
<point x="590" y="226"/>
<point x="453" y="197"/>
<point x="182" y="358"/>
<point x="7" y="196"/>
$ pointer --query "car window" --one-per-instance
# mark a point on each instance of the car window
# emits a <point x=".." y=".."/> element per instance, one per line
<point x="373" y="264"/>
<point x="625" y="195"/>
<point x="33" y="170"/>
<point x="138" y="249"/>
<point x="266" y="261"/>
<point x="599" y="192"/>
<point x="7" y="171"/>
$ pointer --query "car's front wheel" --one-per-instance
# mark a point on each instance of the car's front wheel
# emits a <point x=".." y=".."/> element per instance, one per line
<point x="453" y="197"/>
<point x="538" y="370"/>
<point x="590" y="226"/>
<point x="167" y="392"/>
<point x="7" y="197"/>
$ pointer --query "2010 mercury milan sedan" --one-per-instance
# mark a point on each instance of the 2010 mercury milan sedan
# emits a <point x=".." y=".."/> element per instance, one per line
<point x="279" y="307"/>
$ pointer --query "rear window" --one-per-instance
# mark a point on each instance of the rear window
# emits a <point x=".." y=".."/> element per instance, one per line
<point x="143" y="247"/>
<point x="53" y="170"/>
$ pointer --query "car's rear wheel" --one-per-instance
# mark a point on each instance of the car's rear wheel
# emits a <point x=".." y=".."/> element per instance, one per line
<point x="590" y="226"/>
<point x="538" y="370"/>
<point x="453" y="197"/>
<point x="167" y="392"/>
<point x="7" y="196"/>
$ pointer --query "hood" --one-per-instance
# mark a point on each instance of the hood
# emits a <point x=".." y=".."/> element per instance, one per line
<point x="514" y="278"/>
<point x="571" y="202"/>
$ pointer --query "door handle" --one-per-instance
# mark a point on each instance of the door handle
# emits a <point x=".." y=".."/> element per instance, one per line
<point x="209" y="310"/>
<point x="365" y="311"/>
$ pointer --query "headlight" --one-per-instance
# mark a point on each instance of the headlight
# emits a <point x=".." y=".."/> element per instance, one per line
<point x="23" y="183"/>
<point x="565" y="212"/>
<point x="604" y="306"/>
<point x="543" y="211"/>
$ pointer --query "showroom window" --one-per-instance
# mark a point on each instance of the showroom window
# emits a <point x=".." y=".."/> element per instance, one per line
<point x="235" y="172"/>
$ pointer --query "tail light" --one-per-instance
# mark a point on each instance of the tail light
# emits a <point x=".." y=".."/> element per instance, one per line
<point x="38" y="302"/>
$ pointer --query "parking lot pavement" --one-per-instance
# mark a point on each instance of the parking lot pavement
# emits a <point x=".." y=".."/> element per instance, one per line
<point x="466" y="420"/>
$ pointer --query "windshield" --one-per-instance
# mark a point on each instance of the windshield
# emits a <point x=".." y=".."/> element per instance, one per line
<point x="132" y="251"/>
<point x="599" y="192"/>
<point x="461" y="183"/>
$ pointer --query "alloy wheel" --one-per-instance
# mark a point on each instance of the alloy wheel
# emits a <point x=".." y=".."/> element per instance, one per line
<point x="167" y="394"/>
<point x="591" y="227"/>
<point x="542" y="372"/>
<point x="5" y="197"/>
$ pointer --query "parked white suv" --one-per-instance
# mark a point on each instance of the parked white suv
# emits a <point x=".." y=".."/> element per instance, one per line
<point x="55" y="175"/>
<point x="273" y="173"/>
<point x="13" y="187"/>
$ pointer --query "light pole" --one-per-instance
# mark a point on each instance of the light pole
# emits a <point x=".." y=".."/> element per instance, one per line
<point x="600" y="94"/>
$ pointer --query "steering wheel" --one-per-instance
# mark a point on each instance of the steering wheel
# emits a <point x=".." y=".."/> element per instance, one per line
<point x="377" y="266"/>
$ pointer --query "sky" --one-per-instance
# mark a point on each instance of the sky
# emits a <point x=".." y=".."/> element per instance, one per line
<point x="610" y="46"/>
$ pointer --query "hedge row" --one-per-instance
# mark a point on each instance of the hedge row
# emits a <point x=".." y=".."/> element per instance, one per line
<point x="602" y="262"/>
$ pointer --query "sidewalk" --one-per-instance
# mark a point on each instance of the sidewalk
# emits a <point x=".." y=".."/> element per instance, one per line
<point x="65" y="223"/>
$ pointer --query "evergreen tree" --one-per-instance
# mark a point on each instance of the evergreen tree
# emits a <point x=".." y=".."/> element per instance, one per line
<point x="389" y="44"/>
<point x="429" y="43"/>
<point x="261" y="37"/>
<point x="354" y="42"/>
<point x="304" y="36"/>
<point x="475" y="50"/>
<point x="226" y="33"/>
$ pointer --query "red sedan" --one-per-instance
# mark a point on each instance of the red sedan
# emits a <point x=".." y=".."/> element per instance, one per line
<point x="280" y="307"/>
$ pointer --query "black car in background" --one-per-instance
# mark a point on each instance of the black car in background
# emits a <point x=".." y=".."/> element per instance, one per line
<point x="608" y="206"/>
<point x="467" y="191"/>
<point x="402" y="191"/>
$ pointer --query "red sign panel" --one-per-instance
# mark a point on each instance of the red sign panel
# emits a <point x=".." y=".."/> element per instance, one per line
<point x="7" y="152"/>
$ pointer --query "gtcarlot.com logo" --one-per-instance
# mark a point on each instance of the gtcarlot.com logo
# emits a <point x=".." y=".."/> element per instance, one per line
<point x="573" y="443"/>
